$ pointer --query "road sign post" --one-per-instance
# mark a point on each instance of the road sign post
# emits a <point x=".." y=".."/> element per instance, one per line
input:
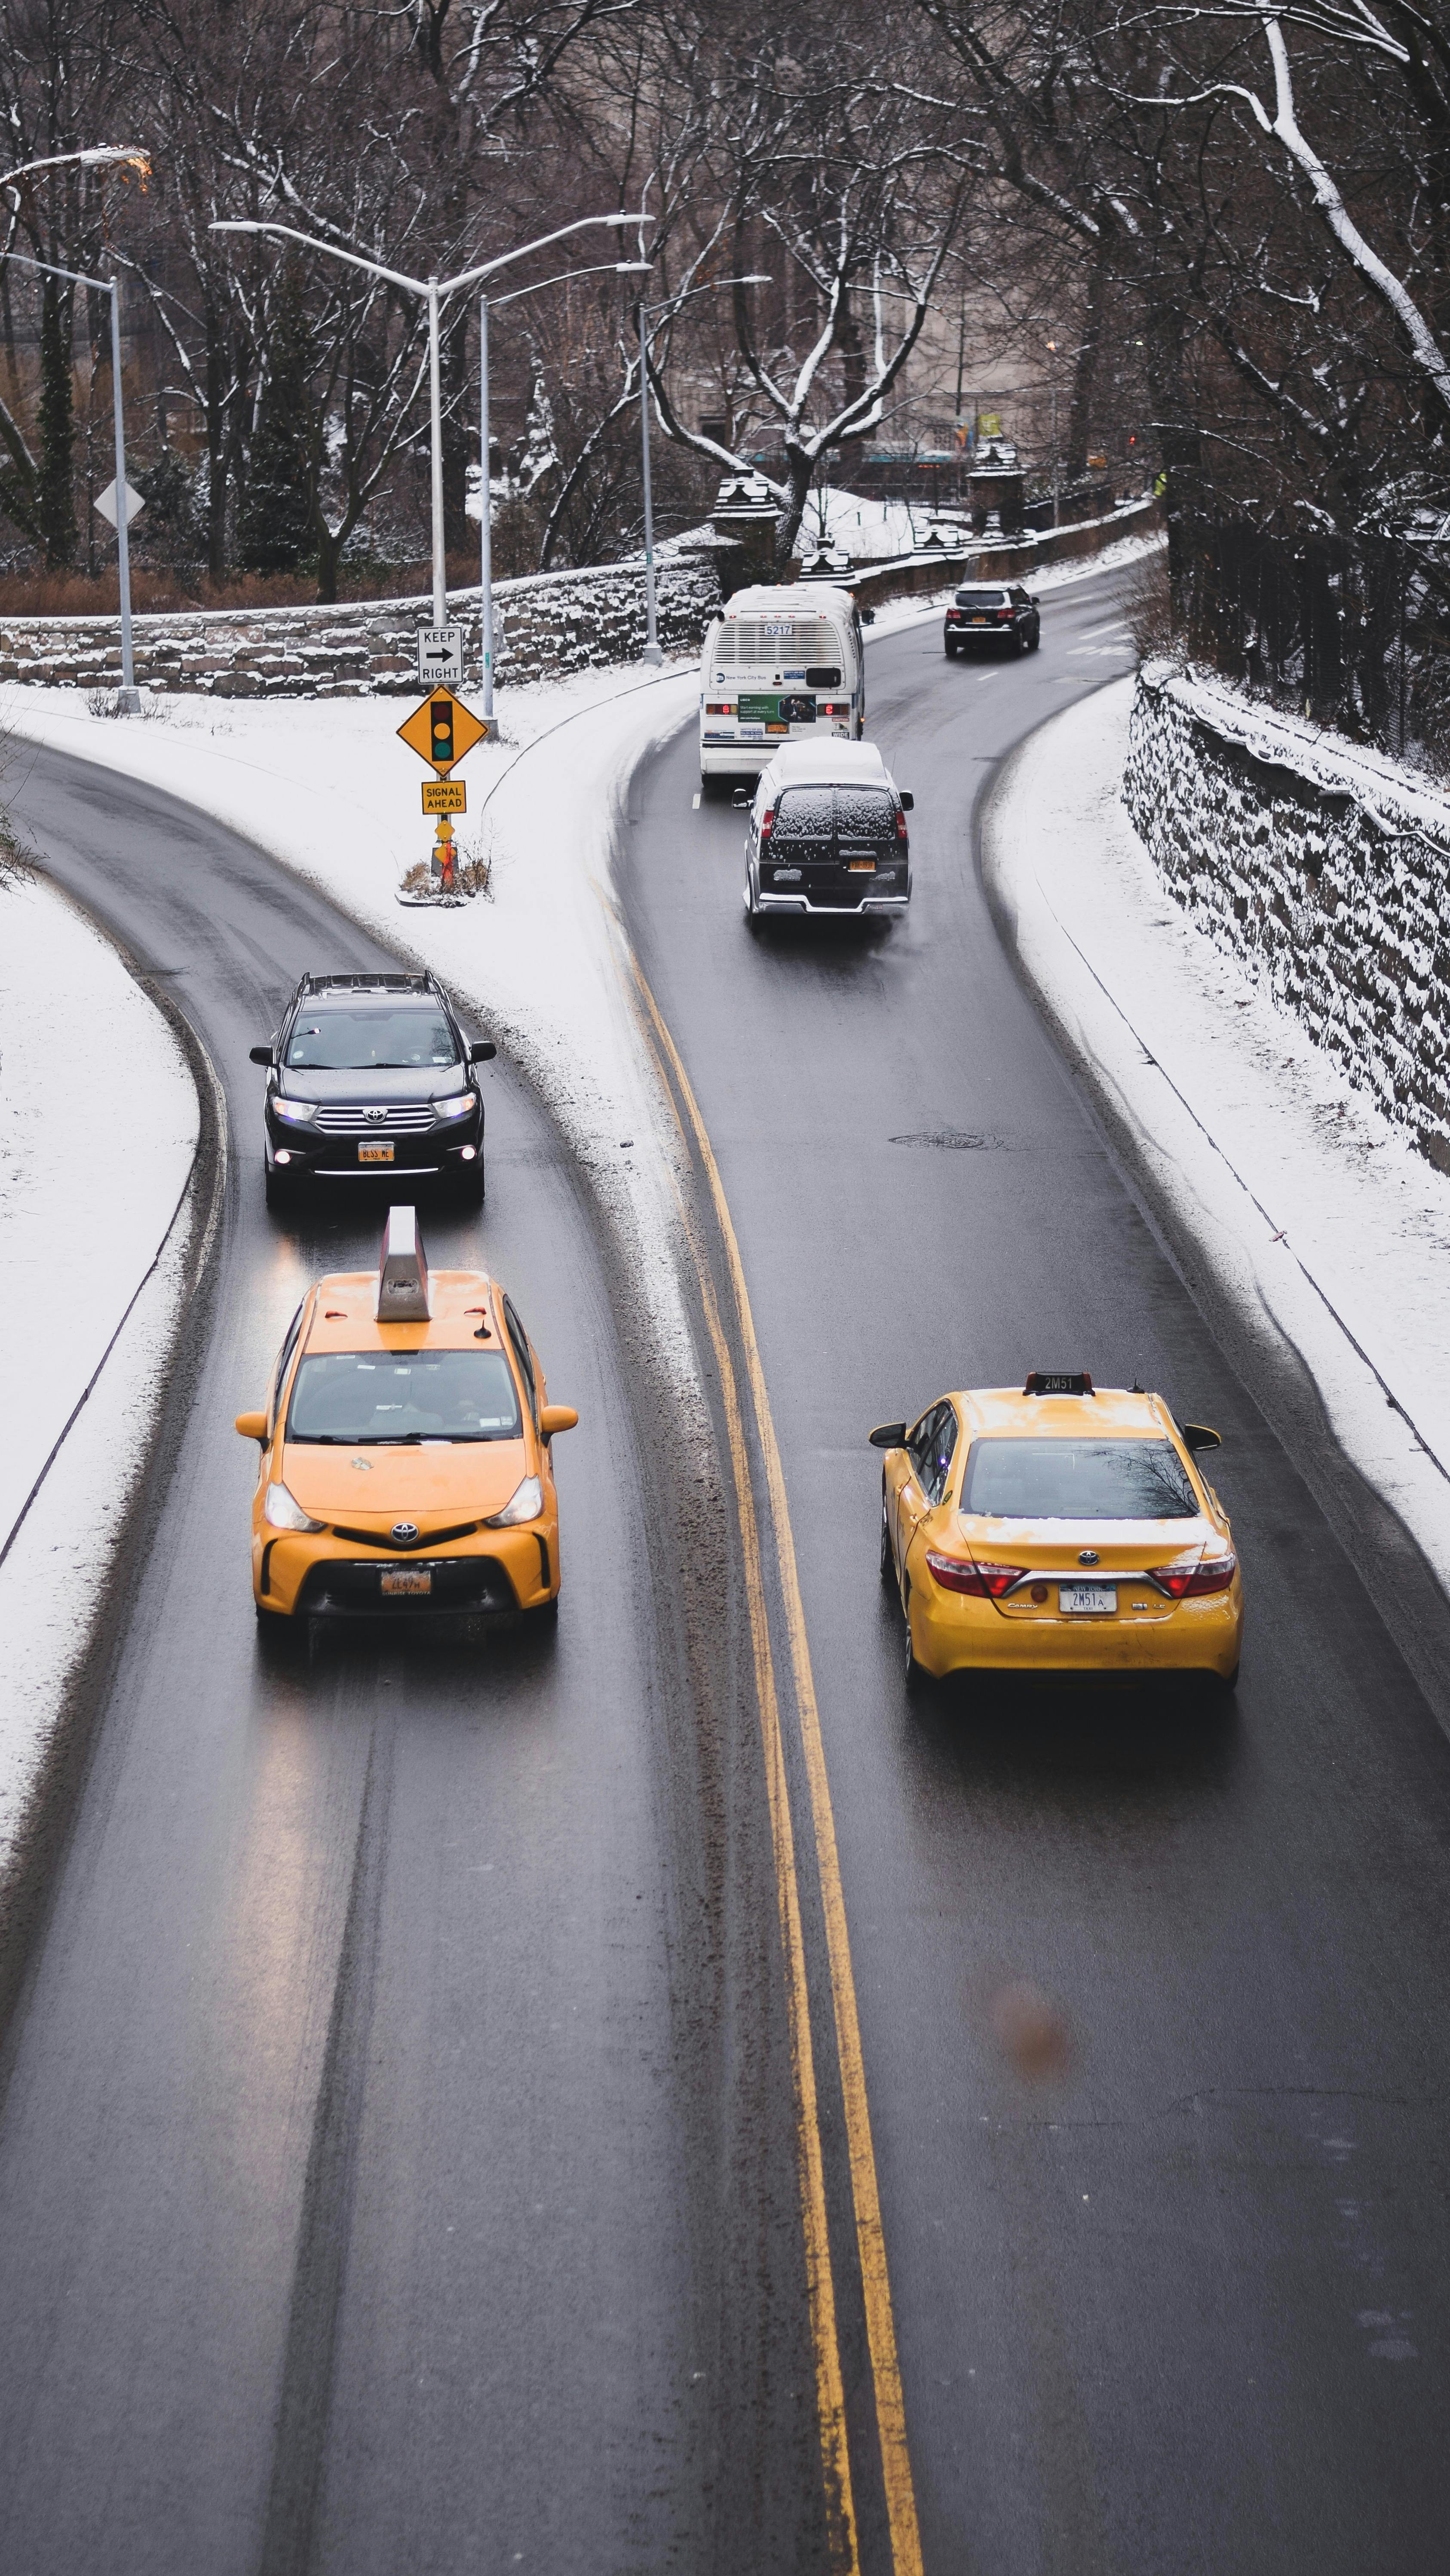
<point x="442" y="731"/>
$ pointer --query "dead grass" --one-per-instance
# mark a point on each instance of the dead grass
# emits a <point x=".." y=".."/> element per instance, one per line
<point x="164" y="590"/>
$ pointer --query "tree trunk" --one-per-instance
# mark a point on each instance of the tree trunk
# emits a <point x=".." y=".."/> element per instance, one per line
<point x="55" y="497"/>
<point x="799" y="468"/>
<point x="216" y="445"/>
<point x="1086" y="365"/>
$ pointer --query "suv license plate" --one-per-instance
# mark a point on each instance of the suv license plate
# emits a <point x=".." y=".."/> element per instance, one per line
<point x="375" y="1153"/>
<point x="407" y="1578"/>
<point x="1088" y="1596"/>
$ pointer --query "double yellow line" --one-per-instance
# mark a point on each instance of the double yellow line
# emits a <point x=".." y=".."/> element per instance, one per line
<point x="870" y="2240"/>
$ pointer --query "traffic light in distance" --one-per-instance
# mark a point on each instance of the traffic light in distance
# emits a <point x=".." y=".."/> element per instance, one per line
<point x="440" y="730"/>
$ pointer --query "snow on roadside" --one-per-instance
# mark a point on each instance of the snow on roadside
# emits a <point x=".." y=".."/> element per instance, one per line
<point x="94" y="1166"/>
<point x="1313" y="1211"/>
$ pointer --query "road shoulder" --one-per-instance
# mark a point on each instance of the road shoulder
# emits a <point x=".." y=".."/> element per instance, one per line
<point x="1316" y="1241"/>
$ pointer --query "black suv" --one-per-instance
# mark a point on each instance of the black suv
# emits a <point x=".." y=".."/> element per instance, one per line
<point x="369" y="1077"/>
<point x="992" y="612"/>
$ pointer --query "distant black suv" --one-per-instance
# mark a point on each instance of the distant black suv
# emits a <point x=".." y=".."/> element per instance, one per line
<point x="370" y="1076"/>
<point x="992" y="612"/>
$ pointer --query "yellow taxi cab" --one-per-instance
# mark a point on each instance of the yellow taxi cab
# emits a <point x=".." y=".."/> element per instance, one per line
<point x="405" y="1450"/>
<point x="1059" y="1527"/>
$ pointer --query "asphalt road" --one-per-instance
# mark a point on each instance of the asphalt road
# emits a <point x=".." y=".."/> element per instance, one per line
<point x="1180" y="2307"/>
<point x="396" y="2151"/>
<point x="395" y="2155"/>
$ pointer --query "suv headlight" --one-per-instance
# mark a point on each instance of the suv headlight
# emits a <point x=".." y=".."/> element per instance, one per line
<point x="285" y="1512"/>
<point x="296" y="1112"/>
<point x="457" y="1107"/>
<point x="525" y="1505"/>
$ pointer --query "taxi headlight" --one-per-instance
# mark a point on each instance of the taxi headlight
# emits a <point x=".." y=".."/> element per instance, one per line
<point x="457" y="1107"/>
<point x="285" y="1512"/>
<point x="296" y="1112"/>
<point x="525" y="1505"/>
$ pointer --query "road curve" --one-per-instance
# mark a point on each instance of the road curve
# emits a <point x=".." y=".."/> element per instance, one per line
<point x="396" y="2146"/>
<point x="1180" y="2307"/>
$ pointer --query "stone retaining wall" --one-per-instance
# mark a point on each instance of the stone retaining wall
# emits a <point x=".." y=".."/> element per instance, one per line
<point x="1324" y="867"/>
<point x="545" y="627"/>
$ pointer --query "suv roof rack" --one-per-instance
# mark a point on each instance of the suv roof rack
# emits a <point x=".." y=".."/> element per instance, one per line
<point x="427" y="982"/>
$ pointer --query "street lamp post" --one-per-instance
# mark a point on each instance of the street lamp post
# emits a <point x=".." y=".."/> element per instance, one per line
<point x="128" y="698"/>
<point x="431" y="291"/>
<point x="615" y="268"/>
<point x="671" y="304"/>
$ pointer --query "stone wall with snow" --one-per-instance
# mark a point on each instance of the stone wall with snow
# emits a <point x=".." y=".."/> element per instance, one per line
<point x="545" y="626"/>
<point x="1322" y="865"/>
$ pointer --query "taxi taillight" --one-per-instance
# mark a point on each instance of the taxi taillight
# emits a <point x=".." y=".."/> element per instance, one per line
<point x="963" y="1574"/>
<point x="1192" y="1582"/>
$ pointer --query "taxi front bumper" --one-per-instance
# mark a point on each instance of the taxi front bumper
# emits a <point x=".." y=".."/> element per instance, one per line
<point x="954" y="1633"/>
<point x="325" y="1575"/>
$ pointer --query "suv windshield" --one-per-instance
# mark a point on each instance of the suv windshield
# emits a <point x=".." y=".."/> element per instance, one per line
<point x="358" y="1397"/>
<point x="328" y="1041"/>
<point x="1078" y="1480"/>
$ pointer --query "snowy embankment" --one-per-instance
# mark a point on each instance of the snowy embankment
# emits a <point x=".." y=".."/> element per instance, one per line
<point x="95" y="1182"/>
<point x="1313" y="1215"/>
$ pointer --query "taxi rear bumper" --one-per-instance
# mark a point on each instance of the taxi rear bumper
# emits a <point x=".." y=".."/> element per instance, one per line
<point x="955" y="1634"/>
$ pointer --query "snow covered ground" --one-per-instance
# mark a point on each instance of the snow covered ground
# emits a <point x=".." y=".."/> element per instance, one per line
<point x="94" y="1176"/>
<point x="1314" y="1215"/>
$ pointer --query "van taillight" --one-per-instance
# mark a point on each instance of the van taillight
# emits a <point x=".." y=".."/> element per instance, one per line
<point x="900" y="825"/>
<point x="767" y="823"/>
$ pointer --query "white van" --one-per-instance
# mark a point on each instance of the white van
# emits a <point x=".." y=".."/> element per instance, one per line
<point x="781" y="664"/>
<point x="827" y="833"/>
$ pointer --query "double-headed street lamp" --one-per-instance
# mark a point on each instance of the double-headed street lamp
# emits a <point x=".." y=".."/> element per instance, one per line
<point x="615" y="268"/>
<point x="432" y="290"/>
<point x="669" y="304"/>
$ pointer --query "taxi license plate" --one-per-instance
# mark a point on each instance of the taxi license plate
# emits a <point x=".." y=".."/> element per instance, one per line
<point x="375" y="1153"/>
<point x="1088" y="1596"/>
<point x="407" y="1578"/>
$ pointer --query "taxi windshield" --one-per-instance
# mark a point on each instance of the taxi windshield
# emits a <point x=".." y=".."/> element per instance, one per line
<point x="1077" y="1480"/>
<point x="370" y="1041"/>
<point x="357" y="1397"/>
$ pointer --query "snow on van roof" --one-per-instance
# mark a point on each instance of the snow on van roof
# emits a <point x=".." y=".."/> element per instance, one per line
<point x="801" y="598"/>
<point x="826" y="764"/>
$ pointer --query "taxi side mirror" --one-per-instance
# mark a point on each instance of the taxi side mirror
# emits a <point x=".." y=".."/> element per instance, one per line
<point x="557" y="1417"/>
<point x="888" y="1435"/>
<point x="1196" y="1435"/>
<point x="252" y="1426"/>
<point x="261" y="1055"/>
<point x="482" y="1051"/>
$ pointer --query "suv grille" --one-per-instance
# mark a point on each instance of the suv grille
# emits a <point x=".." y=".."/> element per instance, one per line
<point x="410" y="1120"/>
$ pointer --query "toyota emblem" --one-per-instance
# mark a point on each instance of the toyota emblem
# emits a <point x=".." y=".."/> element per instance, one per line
<point x="404" y="1533"/>
<point x="375" y="1114"/>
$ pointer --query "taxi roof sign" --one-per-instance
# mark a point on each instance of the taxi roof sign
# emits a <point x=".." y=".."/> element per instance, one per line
<point x="403" y="1271"/>
<point x="1054" y="1382"/>
<point x="459" y="723"/>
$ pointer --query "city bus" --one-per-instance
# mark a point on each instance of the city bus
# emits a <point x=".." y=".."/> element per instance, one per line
<point x="780" y="665"/>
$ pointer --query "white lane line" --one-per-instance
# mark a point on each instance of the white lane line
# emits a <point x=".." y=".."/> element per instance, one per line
<point x="695" y="803"/>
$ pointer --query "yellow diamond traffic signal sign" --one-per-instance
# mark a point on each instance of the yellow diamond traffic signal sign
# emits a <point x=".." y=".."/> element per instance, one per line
<point x="442" y="730"/>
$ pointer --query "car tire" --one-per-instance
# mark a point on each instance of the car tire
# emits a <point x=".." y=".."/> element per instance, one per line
<point x="543" y="1619"/>
<point x="1036" y="639"/>
<point x="280" y="1195"/>
<point x="470" y="1188"/>
<point x="888" y="1561"/>
<point x="915" y="1675"/>
<point x="280" y="1641"/>
<point x="1024" y="641"/>
<point x="951" y="652"/>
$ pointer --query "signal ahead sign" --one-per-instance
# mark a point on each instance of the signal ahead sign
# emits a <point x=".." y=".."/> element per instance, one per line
<point x="442" y="730"/>
<point x="440" y="655"/>
<point x="444" y="796"/>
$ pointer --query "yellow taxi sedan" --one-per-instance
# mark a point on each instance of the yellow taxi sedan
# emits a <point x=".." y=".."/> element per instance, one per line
<point x="1058" y="1528"/>
<point x="406" y="1465"/>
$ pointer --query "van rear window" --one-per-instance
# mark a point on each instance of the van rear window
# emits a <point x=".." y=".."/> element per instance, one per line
<point x="805" y="814"/>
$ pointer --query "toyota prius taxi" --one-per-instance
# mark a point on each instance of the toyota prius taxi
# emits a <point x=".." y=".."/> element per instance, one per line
<point x="406" y="1465"/>
<point x="1058" y="1528"/>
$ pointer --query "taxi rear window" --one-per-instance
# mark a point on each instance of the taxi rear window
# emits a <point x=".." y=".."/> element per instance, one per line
<point x="1077" y="1480"/>
<point x="358" y="1397"/>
